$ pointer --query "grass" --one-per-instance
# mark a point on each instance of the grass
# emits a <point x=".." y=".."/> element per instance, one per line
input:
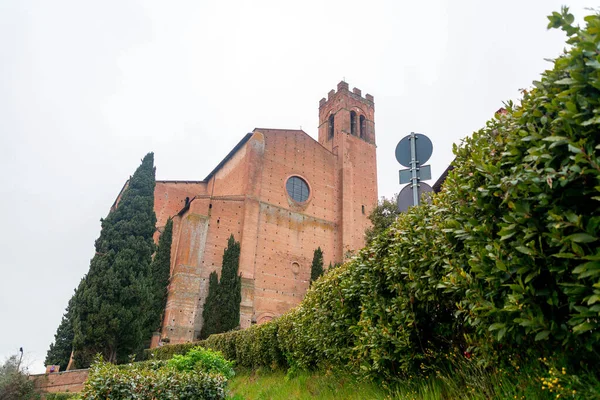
<point x="263" y="385"/>
<point x="541" y="379"/>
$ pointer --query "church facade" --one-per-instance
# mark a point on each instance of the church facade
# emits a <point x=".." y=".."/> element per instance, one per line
<point x="281" y="194"/>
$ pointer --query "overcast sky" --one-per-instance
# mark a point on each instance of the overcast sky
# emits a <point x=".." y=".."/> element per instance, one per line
<point x="88" y="88"/>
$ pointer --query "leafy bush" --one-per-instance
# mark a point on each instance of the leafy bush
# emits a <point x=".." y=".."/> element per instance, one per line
<point x="61" y="396"/>
<point x="167" y="352"/>
<point x="253" y="347"/>
<point x="150" y="380"/>
<point x="14" y="384"/>
<point x="201" y="359"/>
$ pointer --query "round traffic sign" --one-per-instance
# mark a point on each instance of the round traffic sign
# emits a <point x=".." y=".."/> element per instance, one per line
<point x="423" y="147"/>
<point x="405" y="197"/>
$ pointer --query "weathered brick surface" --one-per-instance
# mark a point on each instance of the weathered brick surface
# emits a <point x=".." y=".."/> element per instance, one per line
<point x="246" y="197"/>
<point x="68" y="381"/>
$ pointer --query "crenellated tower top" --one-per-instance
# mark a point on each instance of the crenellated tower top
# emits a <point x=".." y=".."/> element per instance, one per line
<point x="346" y="112"/>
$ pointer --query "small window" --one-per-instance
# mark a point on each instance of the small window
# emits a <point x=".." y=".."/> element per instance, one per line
<point x="297" y="189"/>
<point x="353" y="123"/>
<point x="363" y="127"/>
<point x="331" y="126"/>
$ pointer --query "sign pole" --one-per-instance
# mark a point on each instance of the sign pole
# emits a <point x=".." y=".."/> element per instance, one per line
<point x="413" y="168"/>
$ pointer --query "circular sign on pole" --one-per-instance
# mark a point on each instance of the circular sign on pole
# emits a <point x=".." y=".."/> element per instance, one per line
<point x="405" y="198"/>
<point x="423" y="145"/>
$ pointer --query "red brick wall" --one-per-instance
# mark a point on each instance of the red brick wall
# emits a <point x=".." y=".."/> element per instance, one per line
<point x="68" y="381"/>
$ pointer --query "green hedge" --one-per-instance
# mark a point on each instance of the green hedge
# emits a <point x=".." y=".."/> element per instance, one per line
<point x="167" y="352"/>
<point x="61" y="396"/>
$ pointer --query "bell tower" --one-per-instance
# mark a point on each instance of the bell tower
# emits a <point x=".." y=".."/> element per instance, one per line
<point x="347" y="129"/>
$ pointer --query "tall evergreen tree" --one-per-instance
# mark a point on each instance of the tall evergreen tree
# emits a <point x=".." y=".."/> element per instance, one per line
<point x="160" y="273"/>
<point x="230" y="287"/>
<point x="222" y="306"/>
<point x="60" y="351"/>
<point x="111" y="307"/>
<point x="316" y="269"/>
<point x="210" y="314"/>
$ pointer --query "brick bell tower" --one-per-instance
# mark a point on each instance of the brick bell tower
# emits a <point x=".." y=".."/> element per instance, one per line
<point x="347" y="129"/>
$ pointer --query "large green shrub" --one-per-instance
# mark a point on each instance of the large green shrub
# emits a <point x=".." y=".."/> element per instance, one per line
<point x="201" y="359"/>
<point x="150" y="380"/>
<point x="14" y="383"/>
<point x="526" y="212"/>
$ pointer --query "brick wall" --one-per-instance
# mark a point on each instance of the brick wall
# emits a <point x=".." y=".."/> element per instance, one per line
<point x="68" y="381"/>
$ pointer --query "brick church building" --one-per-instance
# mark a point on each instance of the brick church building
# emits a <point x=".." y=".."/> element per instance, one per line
<point x="281" y="194"/>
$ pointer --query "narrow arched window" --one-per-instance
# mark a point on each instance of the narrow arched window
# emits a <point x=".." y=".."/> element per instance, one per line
<point x="353" y="123"/>
<point x="331" y="127"/>
<point x="363" y="127"/>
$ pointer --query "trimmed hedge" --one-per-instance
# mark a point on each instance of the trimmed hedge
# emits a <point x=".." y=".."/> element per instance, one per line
<point x="167" y="352"/>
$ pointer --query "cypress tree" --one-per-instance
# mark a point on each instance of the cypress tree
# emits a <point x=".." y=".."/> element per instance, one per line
<point x="111" y="309"/>
<point x="60" y="351"/>
<point x="222" y="306"/>
<point x="210" y="314"/>
<point x="160" y="270"/>
<point x="230" y="287"/>
<point x="316" y="269"/>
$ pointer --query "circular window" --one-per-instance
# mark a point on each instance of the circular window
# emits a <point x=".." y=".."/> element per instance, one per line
<point x="297" y="188"/>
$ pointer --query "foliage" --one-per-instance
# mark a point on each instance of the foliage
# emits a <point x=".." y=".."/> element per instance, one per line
<point x="222" y="306"/>
<point x="504" y="261"/>
<point x="111" y="312"/>
<point x="382" y="217"/>
<point x="14" y="384"/>
<point x="167" y="352"/>
<point x="150" y="380"/>
<point x="160" y="273"/>
<point x="203" y="359"/>
<point x="61" y="396"/>
<point x="60" y="351"/>
<point x="316" y="268"/>
<point x="528" y="219"/>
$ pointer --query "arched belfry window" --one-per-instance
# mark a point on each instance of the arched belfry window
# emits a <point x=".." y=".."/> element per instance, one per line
<point x="331" y="127"/>
<point x="363" y="127"/>
<point x="353" y="123"/>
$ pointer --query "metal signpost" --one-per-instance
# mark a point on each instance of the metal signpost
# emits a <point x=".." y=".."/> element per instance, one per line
<point x="413" y="151"/>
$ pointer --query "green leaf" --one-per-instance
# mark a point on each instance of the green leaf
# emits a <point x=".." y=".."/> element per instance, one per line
<point x="554" y="138"/>
<point x="581" y="238"/>
<point x="581" y="328"/>
<point x="524" y="250"/>
<point x="501" y="334"/>
<point x="565" y="81"/>
<point x="543" y="335"/>
<point x="496" y="326"/>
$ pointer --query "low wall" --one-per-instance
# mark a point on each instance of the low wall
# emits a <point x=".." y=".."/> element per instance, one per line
<point x="68" y="381"/>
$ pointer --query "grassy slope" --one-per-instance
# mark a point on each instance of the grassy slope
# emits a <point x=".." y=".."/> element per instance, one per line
<point x="541" y="379"/>
<point x="305" y="385"/>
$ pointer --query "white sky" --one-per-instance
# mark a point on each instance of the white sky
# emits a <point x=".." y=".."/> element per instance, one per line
<point x="88" y="88"/>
